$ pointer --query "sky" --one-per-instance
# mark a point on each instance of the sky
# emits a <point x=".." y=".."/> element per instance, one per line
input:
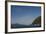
<point x="24" y="14"/>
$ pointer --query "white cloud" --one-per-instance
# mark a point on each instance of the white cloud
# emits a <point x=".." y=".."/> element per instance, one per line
<point x="26" y="20"/>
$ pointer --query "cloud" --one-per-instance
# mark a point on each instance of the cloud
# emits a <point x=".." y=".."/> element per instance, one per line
<point x="26" y="20"/>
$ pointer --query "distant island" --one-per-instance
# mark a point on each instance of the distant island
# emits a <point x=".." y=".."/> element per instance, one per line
<point x="35" y="23"/>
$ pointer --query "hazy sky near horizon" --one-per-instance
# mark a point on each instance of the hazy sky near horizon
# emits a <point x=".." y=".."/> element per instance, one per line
<point x="24" y="14"/>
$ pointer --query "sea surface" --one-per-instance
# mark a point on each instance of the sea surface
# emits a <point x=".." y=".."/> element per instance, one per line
<point x="25" y="26"/>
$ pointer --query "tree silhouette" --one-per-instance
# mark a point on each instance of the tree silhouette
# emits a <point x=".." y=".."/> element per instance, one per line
<point x="37" y="20"/>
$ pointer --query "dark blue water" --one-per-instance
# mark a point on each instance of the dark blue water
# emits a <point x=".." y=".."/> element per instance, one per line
<point x="25" y="26"/>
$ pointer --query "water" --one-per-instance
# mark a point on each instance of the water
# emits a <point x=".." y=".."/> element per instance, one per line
<point x="25" y="26"/>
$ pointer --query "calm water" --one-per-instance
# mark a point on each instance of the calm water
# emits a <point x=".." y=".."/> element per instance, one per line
<point x="24" y="26"/>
